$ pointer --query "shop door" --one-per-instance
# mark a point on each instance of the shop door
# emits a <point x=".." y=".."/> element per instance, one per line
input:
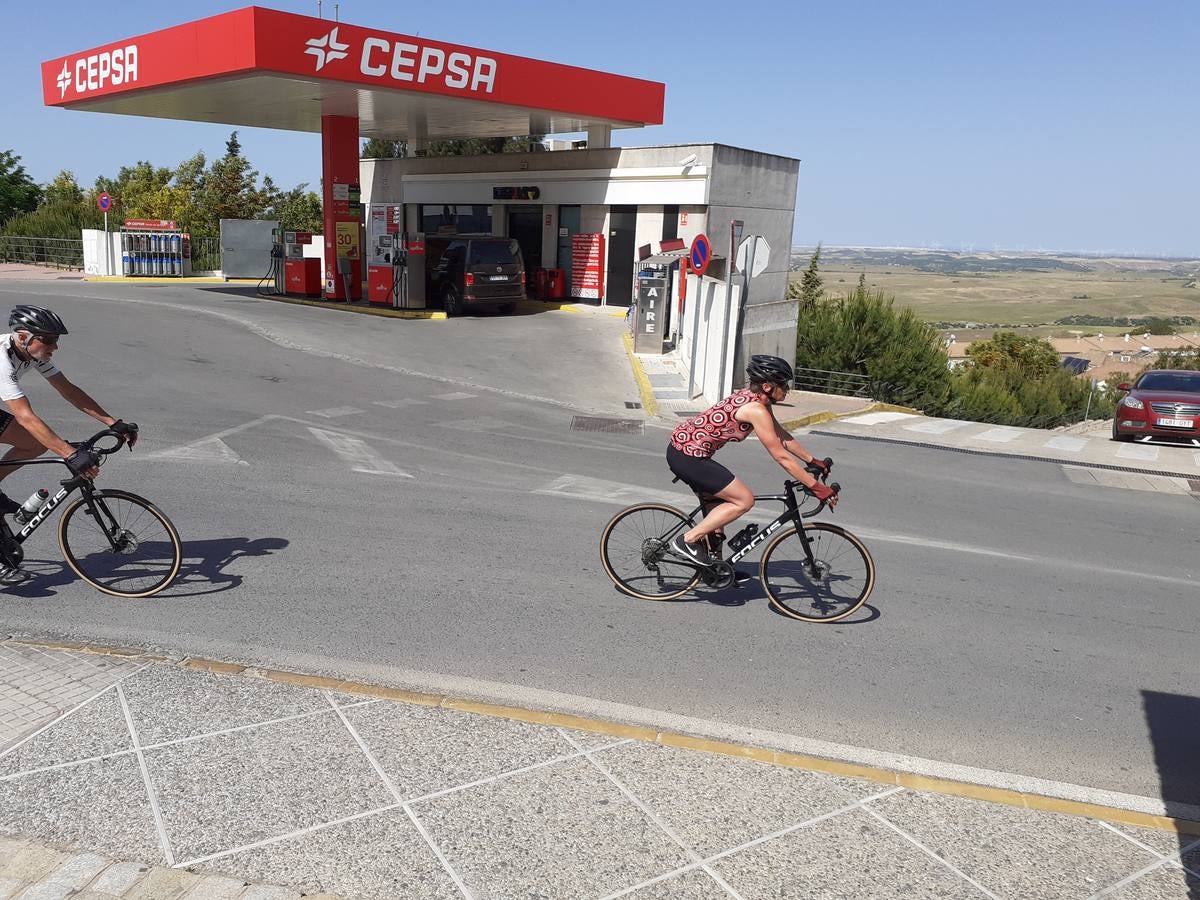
<point x="568" y="224"/>
<point x="525" y="227"/>
<point x="622" y="221"/>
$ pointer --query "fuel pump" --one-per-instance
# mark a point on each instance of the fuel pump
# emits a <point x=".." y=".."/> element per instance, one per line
<point x="274" y="273"/>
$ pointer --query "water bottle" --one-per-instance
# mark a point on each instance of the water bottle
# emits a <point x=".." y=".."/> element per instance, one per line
<point x="30" y="507"/>
<point x="743" y="537"/>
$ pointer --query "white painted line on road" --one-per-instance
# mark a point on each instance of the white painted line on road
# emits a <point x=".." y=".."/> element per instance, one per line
<point x="1196" y="457"/>
<point x="481" y="424"/>
<point x="999" y="435"/>
<point x="334" y="413"/>
<point x="913" y="540"/>
<point x="582" y="487"/>
<point x="1070" y="444"/>
<point x="878" y="418"/>
<point x="1138" y="451"/>
<point x="208" y="450"/>
<point x="1128" y="480"/>
<point x="454" y="395"/>
<point x="937" y="426"/>
<point x="361" y="455"/>
<point x="397" y="404"/>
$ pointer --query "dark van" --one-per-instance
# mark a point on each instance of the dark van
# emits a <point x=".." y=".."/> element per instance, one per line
<point x="478" y="271"/>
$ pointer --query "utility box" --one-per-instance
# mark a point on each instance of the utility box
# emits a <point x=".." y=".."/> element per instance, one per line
<point x="246" y="247"/>
<point x="302" y="276"/>
<point x="651" y="306"/>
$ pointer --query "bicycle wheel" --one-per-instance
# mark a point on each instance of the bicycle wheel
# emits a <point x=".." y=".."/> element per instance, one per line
<point x="841" y="583"/>
<point x="129" y="550"/>
<point x="633" y="550"/>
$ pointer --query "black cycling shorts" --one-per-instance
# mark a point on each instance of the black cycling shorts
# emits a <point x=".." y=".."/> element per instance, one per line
<point x="701" y="474"/>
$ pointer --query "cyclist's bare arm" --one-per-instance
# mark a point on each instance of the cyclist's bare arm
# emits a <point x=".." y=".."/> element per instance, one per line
<point x="32" y="422"/>
<point x="79" y="398"/>
<point x="792" y="445"/>
<point x="766" y="429"/>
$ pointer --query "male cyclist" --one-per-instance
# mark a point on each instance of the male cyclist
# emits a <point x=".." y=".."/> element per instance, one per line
<point x="30" y="345"/>
<point x="725" y="496"/>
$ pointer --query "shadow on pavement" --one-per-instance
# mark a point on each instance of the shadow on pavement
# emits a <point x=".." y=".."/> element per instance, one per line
<point x="1174" y="723"/>
<point x="204" y="563"/>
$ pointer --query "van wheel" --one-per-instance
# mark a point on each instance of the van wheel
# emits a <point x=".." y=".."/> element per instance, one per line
<point x="452" y="301"/>
<point x="506" y="309"/>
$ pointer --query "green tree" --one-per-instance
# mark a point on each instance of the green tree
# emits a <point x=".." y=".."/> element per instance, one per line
<point x="1007" y="351"/>
<point x="63" y="189"/>
<point x="297" y="210"/>
<point x="811" y="284"/>
<point x="229" y="190"/>
<point x="382" y="148"/>
<point x="481" y="146"/>
<point x="1177" y="359"/>
<point x="18" y="192"/>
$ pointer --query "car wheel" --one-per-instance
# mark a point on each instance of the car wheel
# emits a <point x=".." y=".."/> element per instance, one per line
<point x="1117" y="436"/>
<point x="505" y="308"/>
<point x="452" y="301"/>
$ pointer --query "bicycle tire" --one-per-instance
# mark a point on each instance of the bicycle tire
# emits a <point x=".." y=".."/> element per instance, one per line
<point x="791" y="587"/>
<point x="93" y="564"/>
<point x="648" y="522"/>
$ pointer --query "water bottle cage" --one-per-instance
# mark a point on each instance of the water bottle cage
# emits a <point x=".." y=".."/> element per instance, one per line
<point x="743" y="537"/>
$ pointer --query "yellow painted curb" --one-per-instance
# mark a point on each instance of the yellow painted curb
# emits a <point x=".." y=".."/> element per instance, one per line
<point x="649" y="404"/>
<point x="387" y="312"/>
<point x="199" y="279"/>
<point x="828" y="416"/>
<point x="648" y="734"/>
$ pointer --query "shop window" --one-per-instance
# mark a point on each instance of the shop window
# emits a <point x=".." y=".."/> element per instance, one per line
<point x="456" y="219"/>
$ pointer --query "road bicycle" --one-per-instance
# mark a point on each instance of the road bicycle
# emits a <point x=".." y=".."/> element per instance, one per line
<point x="116" y="541"/>
<point x="814" y="572"/>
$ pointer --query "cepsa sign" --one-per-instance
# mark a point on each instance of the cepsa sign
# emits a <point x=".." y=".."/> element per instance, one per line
<point x="111" y="68"/>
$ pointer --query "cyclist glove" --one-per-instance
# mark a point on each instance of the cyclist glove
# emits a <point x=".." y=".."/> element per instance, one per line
<point x="82" y="460"/>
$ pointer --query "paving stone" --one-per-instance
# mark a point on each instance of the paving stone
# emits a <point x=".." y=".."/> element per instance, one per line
<point x="1016" y="852"/>
<point x="168" y="703"/>
<point x="75" y="872"/>
<point x="1166" y="882"/>
<point x="562" y="830"/>
<point x="97" y="806"/>
<point x="425" y="749"/>
<point x="10" y="887"/>
<point x="227" y="791"/>
<point x="849" y="855"/>
<point x="714" y="802"/>
<point x="266" y="892"/>
<point x="693" y="885"/>
<point x="216" y="887"/>
<point x="162" y="884"/>
<point x="118" y="878"/>
<point x="31" y="863"/>
<point x="95" y="729"/>
<point x="378" y="857"/>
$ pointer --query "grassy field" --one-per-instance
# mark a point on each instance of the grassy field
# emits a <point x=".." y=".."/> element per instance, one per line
<point x="950" y="287"/>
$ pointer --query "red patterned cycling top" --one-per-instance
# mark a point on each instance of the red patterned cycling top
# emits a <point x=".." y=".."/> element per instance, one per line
<point x="705" y="434"/>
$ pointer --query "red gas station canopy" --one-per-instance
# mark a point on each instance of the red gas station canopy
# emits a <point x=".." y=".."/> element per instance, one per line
<point x="269" y="69"/>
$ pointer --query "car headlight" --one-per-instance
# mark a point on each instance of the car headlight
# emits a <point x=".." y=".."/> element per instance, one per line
<point x="1133" y="403"/>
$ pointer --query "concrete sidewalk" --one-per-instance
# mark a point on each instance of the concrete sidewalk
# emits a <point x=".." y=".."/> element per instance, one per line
<point x="234" y="778"/>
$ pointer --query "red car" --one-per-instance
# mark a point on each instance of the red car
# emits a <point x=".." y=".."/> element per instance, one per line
<point x="1163" y="404"/>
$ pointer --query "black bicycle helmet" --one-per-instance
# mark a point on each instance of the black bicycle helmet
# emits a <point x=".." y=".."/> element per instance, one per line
<point x="769" y="368"/>
<point x="35" y="319"/>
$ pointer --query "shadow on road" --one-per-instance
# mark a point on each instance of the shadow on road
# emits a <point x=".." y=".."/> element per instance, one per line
<point x="1174" y="723"/>
<point x="204" y="563"/>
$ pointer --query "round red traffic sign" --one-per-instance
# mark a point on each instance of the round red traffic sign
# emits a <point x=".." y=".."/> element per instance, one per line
<point x="104" y="201"/>
<point x="701" y="253"/>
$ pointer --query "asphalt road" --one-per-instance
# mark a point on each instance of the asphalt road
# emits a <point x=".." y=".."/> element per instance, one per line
<point x="389" y="499"/>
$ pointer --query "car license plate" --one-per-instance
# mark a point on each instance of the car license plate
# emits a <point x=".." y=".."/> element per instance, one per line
<point x="499" y="278"/>
<point x="1175" y="423"/>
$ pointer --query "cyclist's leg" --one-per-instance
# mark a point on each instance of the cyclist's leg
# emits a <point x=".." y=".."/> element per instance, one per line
<point x="706" y="476"/>
<point x="21" y="444"/>
<point x="736" y="500"/>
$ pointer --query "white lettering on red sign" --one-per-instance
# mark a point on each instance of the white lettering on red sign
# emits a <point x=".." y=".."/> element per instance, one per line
<point x="110" y="68"/>
<point x="410" y="62"/>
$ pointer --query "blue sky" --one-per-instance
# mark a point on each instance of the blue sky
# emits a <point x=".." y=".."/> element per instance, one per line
<point x="1052" y="125"/>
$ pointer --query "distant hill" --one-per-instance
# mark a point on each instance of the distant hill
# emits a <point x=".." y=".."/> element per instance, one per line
<point x="949" y="262"/>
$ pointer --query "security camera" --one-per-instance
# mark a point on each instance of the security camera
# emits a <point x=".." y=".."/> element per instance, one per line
<point x="688" y="160"/>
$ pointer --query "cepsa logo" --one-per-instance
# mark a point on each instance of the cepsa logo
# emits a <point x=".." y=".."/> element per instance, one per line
<point x="99" y="70"/>
<point x="401" y="61"/>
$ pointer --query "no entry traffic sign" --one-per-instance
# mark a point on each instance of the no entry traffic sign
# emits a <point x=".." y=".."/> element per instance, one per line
<point x="701" y="253"/>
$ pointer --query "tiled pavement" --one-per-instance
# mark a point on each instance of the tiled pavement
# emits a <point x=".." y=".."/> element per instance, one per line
<point x="245" y="779"/>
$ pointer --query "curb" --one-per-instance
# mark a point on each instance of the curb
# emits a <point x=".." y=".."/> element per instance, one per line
<point x="649" y="403"/>
<point x="786" y="759"/>
<point x="828" y="416"/>
<point x="341" y="305"/>
<point x="199" y="279"/>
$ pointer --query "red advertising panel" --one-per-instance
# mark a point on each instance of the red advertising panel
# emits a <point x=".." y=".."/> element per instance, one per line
<point x="264" y="41"/>
<point x="151" y="225"/>
<point x="587" y="266"/>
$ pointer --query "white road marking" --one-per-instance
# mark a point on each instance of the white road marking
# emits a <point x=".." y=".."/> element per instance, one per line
<point x="916" y="541"/>
<point x="1138" y="451"/>
<point x="1071" y="444"/>
<point x="454" y="395"/>
<point x="582" y="487"/>
<point x="482" y="424"/>
<point x="398" y="404"/>
<point x="361" y="455"/>
<point x="1129" y="480"/>
<point x="999" y="435"/>
<point x="335" y="412"/>
<point x="207" y="450"/>
<point x="937" y="426"/>
<point x="878" y="418"/>
<point x="1196" y="456"/>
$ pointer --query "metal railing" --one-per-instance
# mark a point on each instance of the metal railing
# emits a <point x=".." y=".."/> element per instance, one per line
<point x="61" y="253"/>
<point x="206" y="254"/>
<point x="825" y="382"/>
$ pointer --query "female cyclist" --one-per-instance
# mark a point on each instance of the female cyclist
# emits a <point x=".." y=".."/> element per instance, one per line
<point x="725" y="496"/>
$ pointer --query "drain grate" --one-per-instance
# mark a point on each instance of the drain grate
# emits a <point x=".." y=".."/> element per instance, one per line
<point x="600" y="423"/>
<point x="629" y="404"/>
<point x="688" y="413"/>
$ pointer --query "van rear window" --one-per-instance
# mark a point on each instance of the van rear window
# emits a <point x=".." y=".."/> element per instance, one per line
<point x="495" y="253"/>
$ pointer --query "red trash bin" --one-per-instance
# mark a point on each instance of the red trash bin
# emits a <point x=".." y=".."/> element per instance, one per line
<point x="558" y="284"/>
<point x="541" y="283"/>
